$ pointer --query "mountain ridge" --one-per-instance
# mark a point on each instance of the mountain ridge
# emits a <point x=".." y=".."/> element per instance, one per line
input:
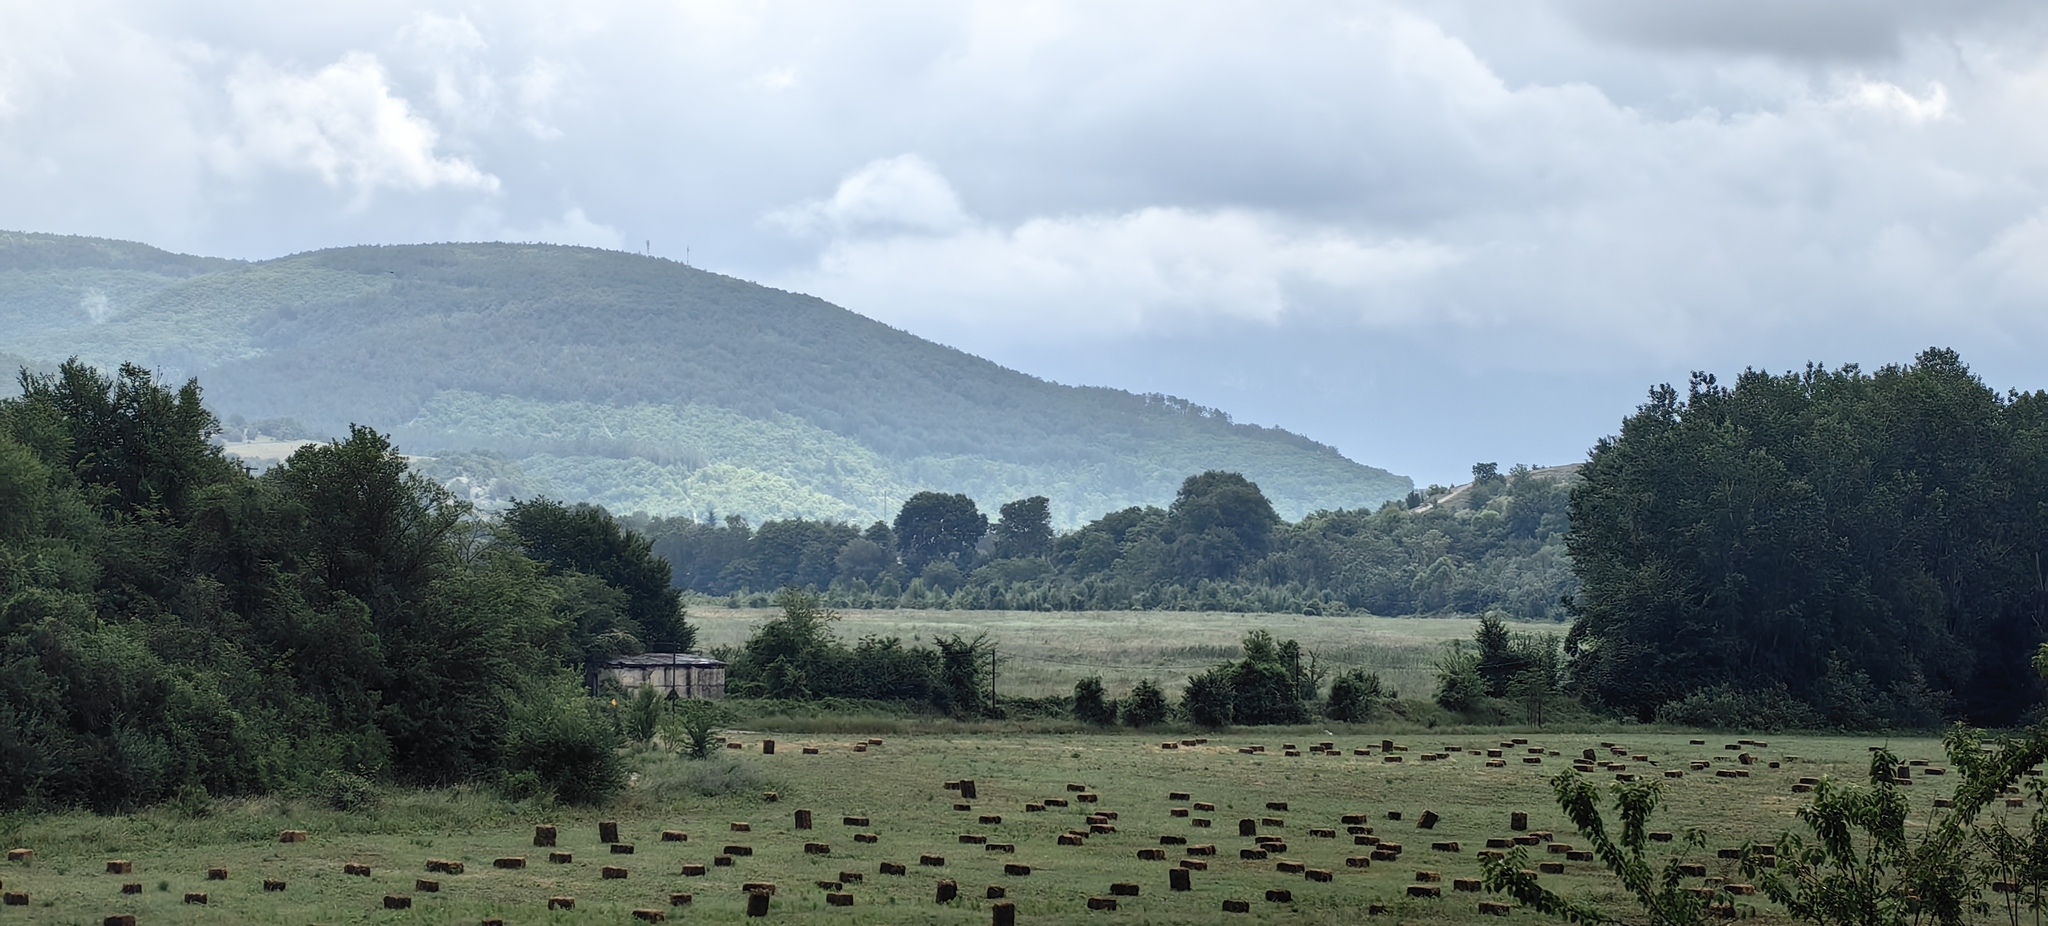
<point x="406" y="337"/>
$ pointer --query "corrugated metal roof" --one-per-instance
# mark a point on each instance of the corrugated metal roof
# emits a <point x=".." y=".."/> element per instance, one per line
<point x="656" y="660"/>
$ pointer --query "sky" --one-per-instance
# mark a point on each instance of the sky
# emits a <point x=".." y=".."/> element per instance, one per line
<point x="1427" y="232"/>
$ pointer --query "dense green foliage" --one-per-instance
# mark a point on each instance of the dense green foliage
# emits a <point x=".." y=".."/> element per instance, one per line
<point x="638" y="383"/>
<point x="795" y="657"/>
<point x="170" y="624"/>
<point x="1860" y="547"/>
<point x="1218" y="547"/>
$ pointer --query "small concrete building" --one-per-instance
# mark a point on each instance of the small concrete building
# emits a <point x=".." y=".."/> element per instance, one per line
<point x="677" y="675"/>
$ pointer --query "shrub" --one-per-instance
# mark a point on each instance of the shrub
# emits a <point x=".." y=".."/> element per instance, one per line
<point x="1146" y="707"/>
<point x="643" y="715"/>
<point x="565" y="741"/>
<point x="1090" y="706"/>
<point x="693" y="728"/>
<point x="1725" y="707"/>
<point x="1354" y="697"/>
<point x="1209" y="700"/>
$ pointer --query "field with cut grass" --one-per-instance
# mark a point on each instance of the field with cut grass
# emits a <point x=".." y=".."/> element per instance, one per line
<point x="898" y="787"/>
<point x="1045" y="652"/>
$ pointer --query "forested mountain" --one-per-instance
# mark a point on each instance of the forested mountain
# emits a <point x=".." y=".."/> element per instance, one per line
<point x="636" y="382"/>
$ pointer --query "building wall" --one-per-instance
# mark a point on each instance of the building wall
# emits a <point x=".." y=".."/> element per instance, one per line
<point x="706" y="682"/>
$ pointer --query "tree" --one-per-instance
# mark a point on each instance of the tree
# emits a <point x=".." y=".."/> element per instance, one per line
<point x="1355" y="697"/>
<point x="1146" y="706"/>
<point x="1218" y="523"/>
<point x="1025" y="528"/>
<point x="1208" y="700"/>
<point x="934" y="526"/>
<point x="1500" y="660"/>
<point x="1459" y="686"/>
<point x="1089" y="704"/>
<point x="587" y="539"/>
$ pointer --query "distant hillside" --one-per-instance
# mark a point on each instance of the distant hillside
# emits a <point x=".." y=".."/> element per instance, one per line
<point x="637" y="382"/>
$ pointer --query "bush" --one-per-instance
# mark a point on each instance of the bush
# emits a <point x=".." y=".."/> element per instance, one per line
<point x="347" y="791"/>
<point x="1210" y="700"/>
<point x="1089" y="705"/>
<point x="1354" y="697"/>
<point x="1724" y="707"/>
<point x="569" y="746"/>
<point x="643" y="715"/>
<point x="1146" y="707"/>
<point x="693" y="727"/>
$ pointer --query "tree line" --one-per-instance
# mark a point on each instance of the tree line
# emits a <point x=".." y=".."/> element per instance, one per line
<point x="172" y="625"/>
<point x="1496" y="545"/>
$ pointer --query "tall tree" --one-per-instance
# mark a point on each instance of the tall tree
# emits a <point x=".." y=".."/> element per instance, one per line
<point x="1025" y="528"/>
<point x="938" y="526"/>
<point x="1219" y="522"/>
<point x="587" y="539"/>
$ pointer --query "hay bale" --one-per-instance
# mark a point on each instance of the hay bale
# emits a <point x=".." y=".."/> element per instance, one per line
<point x="1279" y="895"/>
<point x="767" y="747"/>
<point x="623" y="848"/>
<point x="1015" y="870"/>
<point x="1194" y="864"/>
<point x="1272" y="821"/>
<point x="1173" y="840"/>
<point x="1055" y="802"/>
<point x="120" y="866"/>
<point x="1692" y="870"/>
<point x="561" y="903"/>
<point x="560" y="858"/>
<point x="838" y="899"/>
<point x="1201" y="850"/>
<point x="932" y="861"/>
<point x="292" y="836"/>
<point x="1550" y="868"/>
<point x="680" y="836"/>
<point x="810" y="750"/>
<point x="1088" y="797"/>
<point x="1427" y="877"/>
<point x="1124" y="889"/>
<point x="1430" y="891"/>
<point x="757" y="905"/>
<point x="1151" y="855"/>
<point x="21" y="855"/>
<point x="1202" y="822"/>
<point x="694" y="871"/>
<point x="1102" y="903"/>
<point x="991" y="819"/>
<point x="1247" y="827"/>
<point x="1428" y="821"/>
<point x="1444" y="847"/>
<point x="967" y="789"/>
<point x="1003" y="914"/>
<point x="848" y="877"/>
<point x="1493" y="908"/>
<point x="216" y="874"/>
<point x="758" y="887"/>
<point x="119" y="919"/>
<point x="1358" y="861"/>
<point x="543" y="836"/>
<point x="1661" y="836"/>
<point x="771" y="796"/>
<point x="1320" y="875"/>
<point x="1467" y="885"/>
<point x="1277" y="805"/>
<point x="739" y="827"/>
<point x="397" y="902"/>
<point x="1000" y="847"/>
<point x="963" y="807"/>
<point x="680" y="900"/>
<point x="973" y="839"/>
<point x="135" y="887"/>
<point x="192" y="897"/>
<point x="425" y="886"/>
<point x="721" y="861"/>
<point x="443" y="866"/>
<point x="1290" y="868"/>
<point x="611" y="873"/>
<point x="1237" y="906"/>
<point x="608" y="831"/>
<point x="352" y="868"/>
<point x="650" y="916"/>
<point x="817" y="848"/>
<point x="947" y="891"/>
<point x="855" y="821"/>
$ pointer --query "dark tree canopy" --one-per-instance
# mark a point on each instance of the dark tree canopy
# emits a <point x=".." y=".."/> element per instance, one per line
<point x="587" y="539"/>
<point x="1220" y="522"/>
<point x="1868" y="542"/>
<point x="1025" y="528"/>
<point x="938" y="526"/>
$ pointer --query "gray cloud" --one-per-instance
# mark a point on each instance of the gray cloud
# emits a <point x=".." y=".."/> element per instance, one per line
<point x="1428" y="231"/>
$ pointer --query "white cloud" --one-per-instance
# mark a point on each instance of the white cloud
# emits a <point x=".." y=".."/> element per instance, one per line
<point x="906" y="251"/>
<point x="574" y="227"/>
<point x="903" y="192"/>
<point x="342" y="123"/>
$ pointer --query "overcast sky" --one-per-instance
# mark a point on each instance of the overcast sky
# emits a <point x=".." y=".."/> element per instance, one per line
<point x="1429" y="233"/>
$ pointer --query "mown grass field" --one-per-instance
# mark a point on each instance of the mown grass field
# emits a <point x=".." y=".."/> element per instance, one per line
<point x="1045" y="652"/>
<point x="898" y="786"/>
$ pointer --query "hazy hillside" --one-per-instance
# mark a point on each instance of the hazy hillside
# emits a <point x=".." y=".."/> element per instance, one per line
<point x="638" y="382"/>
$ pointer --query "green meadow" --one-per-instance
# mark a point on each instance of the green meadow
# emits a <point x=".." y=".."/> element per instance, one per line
<point x="899" y="786"/>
